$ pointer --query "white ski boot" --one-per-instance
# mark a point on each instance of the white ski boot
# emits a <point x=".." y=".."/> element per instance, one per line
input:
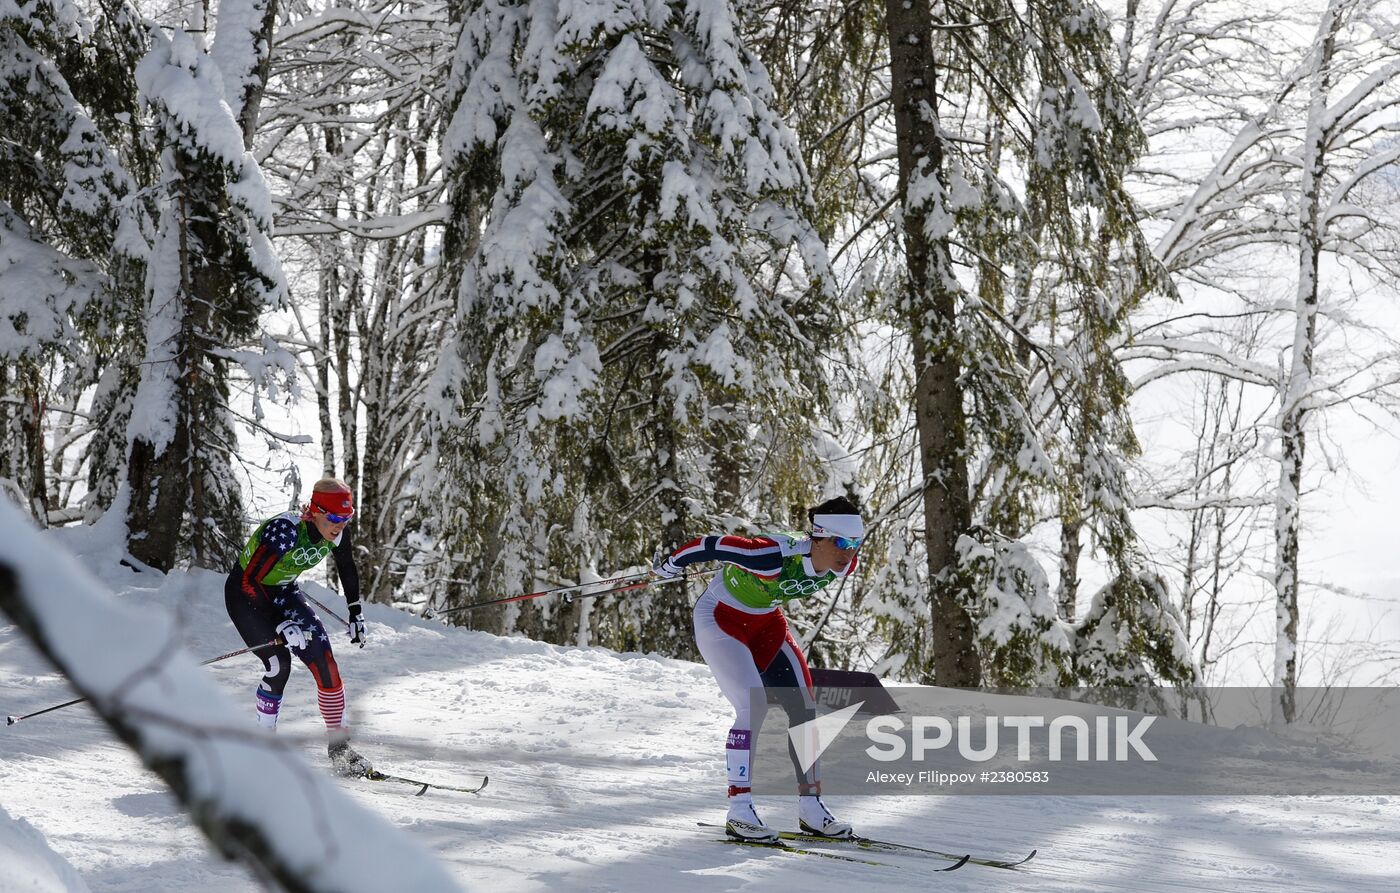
<point x="268" y="707"/>
<point x="743" y="821"/>
<point x="345" y="762"/>
<point x="814" y="818"/>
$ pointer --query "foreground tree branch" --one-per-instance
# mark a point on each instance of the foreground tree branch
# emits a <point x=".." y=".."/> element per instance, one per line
<point x="256" y="802"/>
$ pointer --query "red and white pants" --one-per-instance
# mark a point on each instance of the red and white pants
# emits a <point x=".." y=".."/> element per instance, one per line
<point x="752" y="652"/>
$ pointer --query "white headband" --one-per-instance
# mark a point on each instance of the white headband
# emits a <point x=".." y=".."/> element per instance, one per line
<point x="848" y="526"/>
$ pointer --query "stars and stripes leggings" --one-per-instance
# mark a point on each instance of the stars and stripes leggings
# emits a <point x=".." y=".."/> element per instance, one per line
<point x="257" y="626"/>
<point x="754" y="658"/>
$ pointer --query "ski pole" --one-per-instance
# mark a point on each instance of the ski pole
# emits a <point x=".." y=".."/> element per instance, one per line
<point x="11" y="720"/>
<point x="641" y="582"/>
<point x="334" y="615"/>
<point x="529" y="595"/>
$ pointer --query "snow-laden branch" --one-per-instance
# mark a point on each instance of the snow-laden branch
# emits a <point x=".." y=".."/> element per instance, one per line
<point x="1222" y="370"/>
<point x="1195" y="355"/>
<point x="1209" y="502"/>
<point x="392" y="226"/>
<point x="1213" y="184"/>
<point x="333" y="21"/>
<point x="1338" y="116"/>
<point x="43" y="289"/>
<point x="1337" y="205"/>
<point x="256" y="801"/>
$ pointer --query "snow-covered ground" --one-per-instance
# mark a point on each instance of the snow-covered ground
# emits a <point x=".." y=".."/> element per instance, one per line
<point x="601" y="764"/>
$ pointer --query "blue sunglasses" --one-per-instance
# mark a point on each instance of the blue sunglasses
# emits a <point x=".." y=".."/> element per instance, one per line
<point x="843" y="542"/>
<point x="338" y="519"/>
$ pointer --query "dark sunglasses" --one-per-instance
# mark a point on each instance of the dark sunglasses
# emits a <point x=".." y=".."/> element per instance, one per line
<point x="339" y="519"/>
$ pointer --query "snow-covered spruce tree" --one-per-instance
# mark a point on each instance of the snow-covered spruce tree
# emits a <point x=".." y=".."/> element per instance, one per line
<point x="1128" y="640"/>
<point x="121" y="39"/>
<point x="822" y="56"/>
<point x="73" y="238"/>
<point x="636" y="320"/>
<point x="1023" y="262"/>
<point x="827" y="60"/>
<point x="211" y="274"/>
<point x="1087" y="127"/>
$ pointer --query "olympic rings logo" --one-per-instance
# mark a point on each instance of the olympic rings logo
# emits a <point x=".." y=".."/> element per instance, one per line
<point x="305" y="557"/>
<point x="800" y="587"/>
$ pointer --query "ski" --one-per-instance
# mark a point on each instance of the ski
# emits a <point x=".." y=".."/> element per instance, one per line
<point x="867" y="843"/>
<point x="802" y="851"/>
<point x="423" y="786"/>
<point x="799" y="851"/>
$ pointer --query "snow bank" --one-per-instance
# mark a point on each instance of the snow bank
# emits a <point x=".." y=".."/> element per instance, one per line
<point x="30" y="866"/>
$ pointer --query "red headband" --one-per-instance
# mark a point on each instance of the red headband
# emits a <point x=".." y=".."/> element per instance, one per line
<point x="334" y="502"/>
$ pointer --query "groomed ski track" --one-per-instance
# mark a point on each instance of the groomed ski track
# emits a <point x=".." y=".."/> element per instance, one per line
<point x="601" y="765"/>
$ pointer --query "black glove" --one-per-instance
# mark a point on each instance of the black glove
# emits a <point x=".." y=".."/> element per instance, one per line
<point x="357" y="625"/>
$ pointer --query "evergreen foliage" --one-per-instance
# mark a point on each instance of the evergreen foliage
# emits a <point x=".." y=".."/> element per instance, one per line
<point x="74" y="233"/>
<point x="211" y="273"/>
<point x="641" y="313"/>
<point x="1048" y="264"/>
<point x="587" y="279"/>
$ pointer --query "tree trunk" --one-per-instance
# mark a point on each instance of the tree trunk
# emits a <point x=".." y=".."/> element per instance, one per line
<point x="21" y="417"/>
<point x="345" y="405"/>
<point x="157" y="506"/>
<point x="1293" y="402"/>
<point x="329" y="279"/>
<point x="329" y="288"/>
<point x="248" y="104"/>
<point x="1071" y="528"/>
<point x="931" y="304"/>
<point x="203" y="383"/>
<point x="667" y="625"/>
